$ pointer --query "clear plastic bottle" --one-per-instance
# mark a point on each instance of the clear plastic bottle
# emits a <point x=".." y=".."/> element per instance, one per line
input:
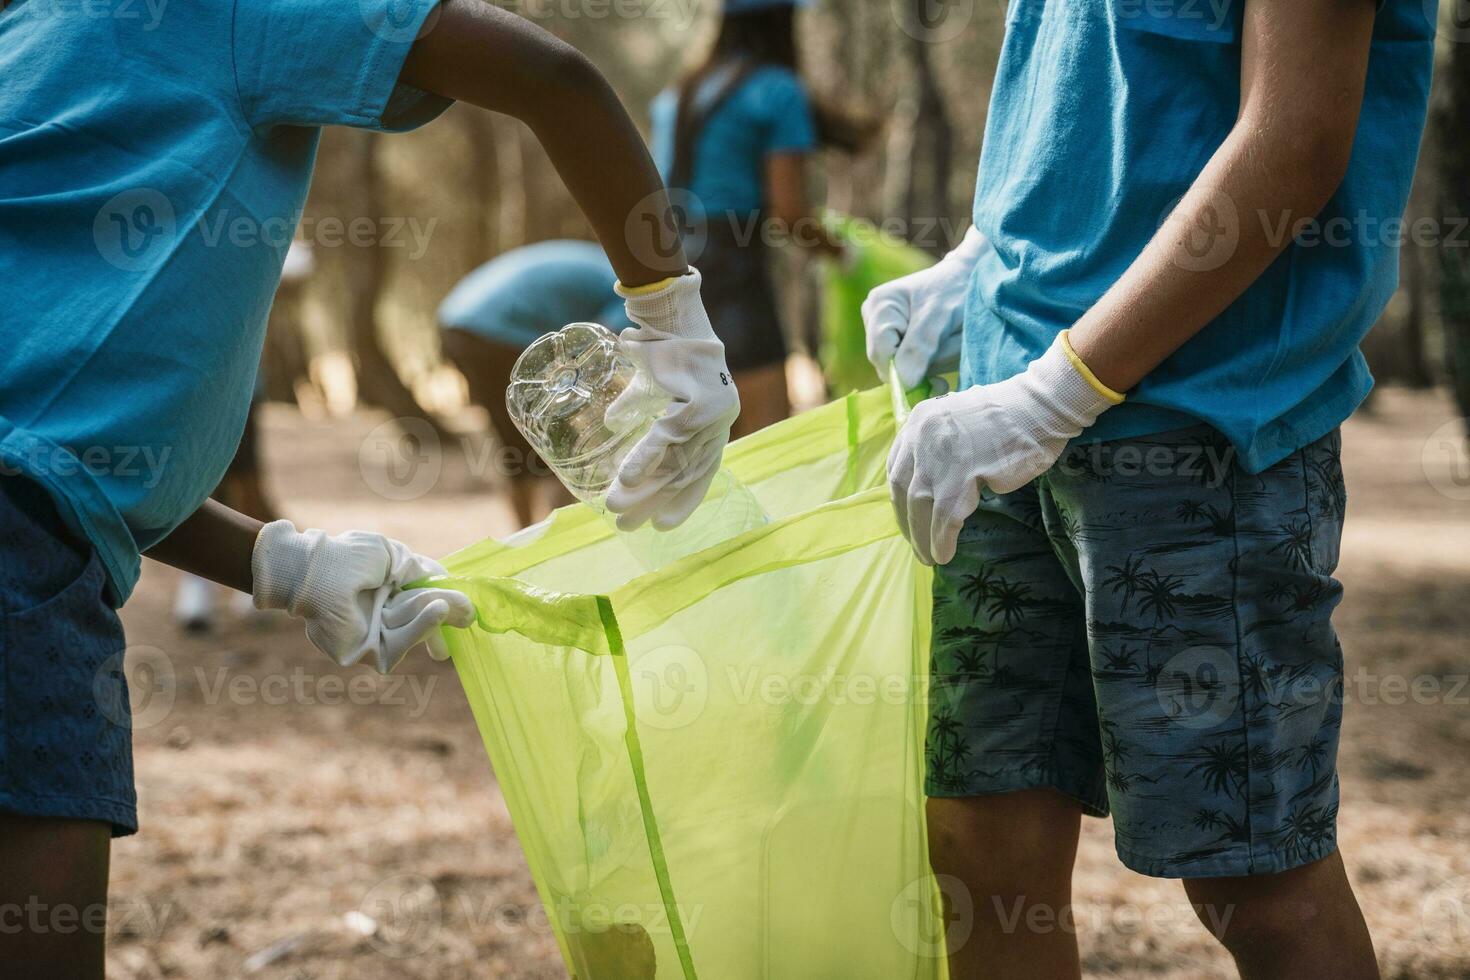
<point x="559" y="394"/>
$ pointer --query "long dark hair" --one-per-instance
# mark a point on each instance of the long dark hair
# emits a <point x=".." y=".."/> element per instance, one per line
<point x="747" y="41"/>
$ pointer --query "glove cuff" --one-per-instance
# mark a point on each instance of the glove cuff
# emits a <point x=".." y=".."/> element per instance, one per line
<point x="674" y="309"/>
<point x="1068" y="388"/>
<point x="967" y="252"/>
<point x="278" y="551"/>
<point x="279" y="566"/>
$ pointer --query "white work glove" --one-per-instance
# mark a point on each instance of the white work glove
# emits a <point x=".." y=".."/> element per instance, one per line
<point x="349" y="589"/>
<point x="666" y="475"/>
<point x="916" y="321"/>
<point x="995" y="437"/>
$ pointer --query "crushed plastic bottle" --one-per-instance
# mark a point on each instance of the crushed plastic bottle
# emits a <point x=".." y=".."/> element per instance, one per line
<point x="560" y="390"/>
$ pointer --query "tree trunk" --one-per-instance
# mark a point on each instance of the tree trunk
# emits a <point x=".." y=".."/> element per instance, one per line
<point x="378" y="383"/>
<point x="285" y="360"/>
<point x="511" y="188"/>
<point x="1454" y="255"/>
<point x="926" y="197"/>
<point x="1416" y="361"/>
<point x="485" y="178"/>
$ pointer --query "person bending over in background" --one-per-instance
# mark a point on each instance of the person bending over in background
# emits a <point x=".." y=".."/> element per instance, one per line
<point x="735" y="135"/>
<point x="1133" y="596"/>
<point x="497" y="311"/>
<point x="136" y="309"/>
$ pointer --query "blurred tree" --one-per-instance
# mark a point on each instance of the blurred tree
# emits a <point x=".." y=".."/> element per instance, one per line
<point x="931" y="149"/>
<point x="378" y="382"/>
<point x="1454" y="193"/>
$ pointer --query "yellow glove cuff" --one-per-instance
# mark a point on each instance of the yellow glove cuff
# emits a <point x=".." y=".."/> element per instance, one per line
<point x="653" y="287"/>
<point x="1112" y="396"/>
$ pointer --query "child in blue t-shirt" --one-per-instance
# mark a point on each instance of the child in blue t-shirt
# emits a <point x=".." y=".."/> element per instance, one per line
<point x="1188" y="204"/>
<point x="735" y="140"/>
<point x="152" y="172"/>
<point x="493" y="314"/>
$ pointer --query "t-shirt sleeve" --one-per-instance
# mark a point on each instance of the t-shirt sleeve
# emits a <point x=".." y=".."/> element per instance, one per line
<point x="330" y="62"/>
<point x="789" y="126"/>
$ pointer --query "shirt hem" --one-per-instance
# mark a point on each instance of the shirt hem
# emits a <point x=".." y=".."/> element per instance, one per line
<point x="82" y="504"/>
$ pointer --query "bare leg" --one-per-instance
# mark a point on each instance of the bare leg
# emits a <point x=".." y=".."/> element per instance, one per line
<point x="486" y="367"/>
<point x="763" y="399"/>
<point x="53" y="896"/>
<point x="243" y="486"/>
<point x="1013" y="855"/>
<point x="1302" y="924"/>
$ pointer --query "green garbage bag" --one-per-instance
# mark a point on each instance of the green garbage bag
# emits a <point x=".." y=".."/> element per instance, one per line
<point x="715" y="768"/>
<point x="876" y="260"/>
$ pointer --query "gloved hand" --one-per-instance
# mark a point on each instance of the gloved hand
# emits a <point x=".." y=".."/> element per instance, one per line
<point x="997" y="437"/>
<point x="916" y="321"/>
<point x="665" y="476"/>
<point x="349" y="589"/>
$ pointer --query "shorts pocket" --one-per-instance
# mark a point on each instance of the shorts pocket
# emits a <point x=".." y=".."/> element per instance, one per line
<point x="65" y="720"/>
<point x="1210" y="21"/>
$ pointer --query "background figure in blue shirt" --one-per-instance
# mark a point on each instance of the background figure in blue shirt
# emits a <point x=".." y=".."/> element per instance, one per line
<point x="1190" y="205"/>
<point x="735" y="136"/>
<point x="498" y="310"/>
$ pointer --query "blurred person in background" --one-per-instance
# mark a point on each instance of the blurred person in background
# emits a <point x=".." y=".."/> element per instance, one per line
<point x="737" y="134"/>
<point x="497" y="311"/>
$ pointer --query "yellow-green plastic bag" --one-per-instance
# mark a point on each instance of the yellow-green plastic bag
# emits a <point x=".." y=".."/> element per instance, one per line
<point x="715" y="768"/>
<point x="874" y="260"/>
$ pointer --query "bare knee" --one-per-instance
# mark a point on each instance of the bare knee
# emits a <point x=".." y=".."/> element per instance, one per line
<point x="1006" y="845"/>
<point x="1266" y="912"/>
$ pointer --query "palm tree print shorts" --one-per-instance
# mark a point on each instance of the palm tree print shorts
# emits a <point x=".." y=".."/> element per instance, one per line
<point x="1147" y="629"/>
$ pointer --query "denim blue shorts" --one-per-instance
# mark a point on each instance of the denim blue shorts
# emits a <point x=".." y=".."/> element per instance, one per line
<point x="65" y="720"/>
<point x="1147" y="629"/>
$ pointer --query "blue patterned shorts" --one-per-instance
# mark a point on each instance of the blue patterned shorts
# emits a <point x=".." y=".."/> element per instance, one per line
<point x="1147" y="629"/>
<point x="65" y="724"/>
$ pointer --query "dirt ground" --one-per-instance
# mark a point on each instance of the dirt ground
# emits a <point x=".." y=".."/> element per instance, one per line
<point x="297" y="827"/>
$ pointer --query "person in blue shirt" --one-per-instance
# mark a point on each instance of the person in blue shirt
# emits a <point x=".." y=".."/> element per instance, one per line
<point x="1186" y="219"/>
<point x="152" y="173"/>
<point x="497" y="311"/>
<point x="733" y="140"/>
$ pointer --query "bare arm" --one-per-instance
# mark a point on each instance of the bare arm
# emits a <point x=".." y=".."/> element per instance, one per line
<point x="496" y="60"/>
<point x="215" y="542"/>
<point x="787" y="203"/>
<point x="1303" y="70"/>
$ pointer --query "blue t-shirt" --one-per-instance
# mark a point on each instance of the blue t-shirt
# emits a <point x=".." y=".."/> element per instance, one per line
<point x="1103" y="114"/>
<point x="152" y="172"/>
<point x="767" y="113"/>
<point x="529" y="291"/>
